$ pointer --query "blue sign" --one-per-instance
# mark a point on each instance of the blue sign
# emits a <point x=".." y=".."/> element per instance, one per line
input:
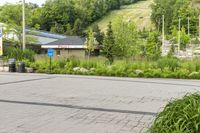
<point x="50" y="52"/>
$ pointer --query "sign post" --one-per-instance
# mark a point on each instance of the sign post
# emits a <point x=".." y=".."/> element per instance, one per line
<point x="1" y="41"/>
<point x="50" y="54"/>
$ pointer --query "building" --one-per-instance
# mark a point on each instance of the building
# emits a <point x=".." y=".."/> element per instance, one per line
<point x="41" y="38"/>
<point x="40" y="41"/>
<point x="68" y="46"/>
<point x="64" y="46"/>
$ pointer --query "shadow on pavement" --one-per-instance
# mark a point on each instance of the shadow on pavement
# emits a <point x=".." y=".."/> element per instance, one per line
<point x="78" y="107"/>
<point x="22" y="81"/>
<point x="137" y="81"/>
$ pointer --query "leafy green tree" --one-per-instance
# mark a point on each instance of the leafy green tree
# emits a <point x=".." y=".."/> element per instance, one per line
<point x="184" y="37"/>
<point x="58" y="28"/>
<point x="163" y="7"/>
<point x="91" y="42"/>
<point x="78" y="13"/>
<point x="11" y="15"/>
<point x="109" y="44"/>
<point x="126" y="38"/>
<point x="173" y="10"/>
<point x="35" y="18"/>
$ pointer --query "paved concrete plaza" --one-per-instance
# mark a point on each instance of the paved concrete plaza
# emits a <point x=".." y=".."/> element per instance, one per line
<point x="36" y="103"/>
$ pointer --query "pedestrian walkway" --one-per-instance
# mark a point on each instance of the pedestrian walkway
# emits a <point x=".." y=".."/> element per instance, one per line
<point x="37" y="103"/>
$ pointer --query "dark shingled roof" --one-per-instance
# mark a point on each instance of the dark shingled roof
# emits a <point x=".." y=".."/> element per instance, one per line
<point x="69" y="40"/>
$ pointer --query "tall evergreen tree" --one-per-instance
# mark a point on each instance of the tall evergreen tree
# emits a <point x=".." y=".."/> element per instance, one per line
<point x="69" y="30"/>
<point x="98" y="34"/>
<point x="77" y="29"/>
<point x="109" y="44"/>
<point x="153" y="46"/>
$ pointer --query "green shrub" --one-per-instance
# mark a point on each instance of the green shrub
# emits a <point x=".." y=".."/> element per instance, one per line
<point x="182" y="73"/>
<point x="194" y="75"/>
<point x="19" y="54"/>
<point x="164" y="68"/>
<point x="179" y="116"/>
<point x="28" y="54"/>
<point x="148" y="73"/>
<point x="168" y="62"/>
<point x="72" y="63"/>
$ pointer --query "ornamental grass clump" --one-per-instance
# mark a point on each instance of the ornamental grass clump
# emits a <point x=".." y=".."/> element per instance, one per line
<point x="179" y="116"/>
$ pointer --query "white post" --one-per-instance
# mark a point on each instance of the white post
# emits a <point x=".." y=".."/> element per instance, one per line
<point x="179" y="35"/>
<point x="23" y="25"/>
<point x="1" y="40"/>
<point x="188" y="25"/>
<point x="199" y="26"/>
<point x="163" y="34"/>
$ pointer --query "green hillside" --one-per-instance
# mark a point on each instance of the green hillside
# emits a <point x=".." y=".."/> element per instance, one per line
<point x="139" y="12"/>
<point x="196" y="3"/>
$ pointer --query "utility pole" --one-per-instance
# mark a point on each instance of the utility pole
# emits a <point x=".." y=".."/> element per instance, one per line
<point x="163" y="32"/>
<point x="188" y="26"/>
<point x="23" y="25"/>
<point x="179" y="35"/>
<point x="199" y="26"/>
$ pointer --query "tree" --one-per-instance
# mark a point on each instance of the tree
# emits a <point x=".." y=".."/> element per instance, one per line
<point x="184" y="37"/>
<point x="69" y="30"/>
<point x="173" y="10"/>
<point x="126" y="38"/>
<point x="77" y="29"/>
<point x="153" y="46"/>
<point x="109" y="44"/>
<point x="162" y="7"/>
<point x="78" y="13"/>
<point x="58" y="28"/>
<point x="11" y="15"/>
<point x="91" y="42"/>
<point x="98" y="34"/>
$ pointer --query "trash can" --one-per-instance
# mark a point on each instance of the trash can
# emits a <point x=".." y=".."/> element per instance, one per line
<point x="12" y="65"/>
<point x="21" y="67"/>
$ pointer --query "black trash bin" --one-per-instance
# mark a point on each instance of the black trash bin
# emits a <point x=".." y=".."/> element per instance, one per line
<point x="12" y="65"/>
<point x="21" y="67"/>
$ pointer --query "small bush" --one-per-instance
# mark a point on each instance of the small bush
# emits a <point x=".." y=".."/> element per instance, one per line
<point x="168" y="62"/>
<point x="19" y="54"/>
<point x="194" y="75"/>
<point x="179" y="116"/>
<point x="28" y="54"/>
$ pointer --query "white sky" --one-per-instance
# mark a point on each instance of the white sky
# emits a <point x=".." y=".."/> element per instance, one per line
<point x="39" y="2"/>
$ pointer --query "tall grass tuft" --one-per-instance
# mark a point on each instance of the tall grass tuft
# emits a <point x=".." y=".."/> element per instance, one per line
<point x="179" y="116"/>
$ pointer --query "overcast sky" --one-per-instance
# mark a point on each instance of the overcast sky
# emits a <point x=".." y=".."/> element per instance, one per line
<point x="39" y="2"/>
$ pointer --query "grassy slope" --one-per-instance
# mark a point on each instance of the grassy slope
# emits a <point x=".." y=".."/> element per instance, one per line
<point x="196" y="3"/>
<point x="139" y="12"/>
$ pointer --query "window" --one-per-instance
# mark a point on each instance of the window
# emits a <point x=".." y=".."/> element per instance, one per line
<point x="58" y="52"/>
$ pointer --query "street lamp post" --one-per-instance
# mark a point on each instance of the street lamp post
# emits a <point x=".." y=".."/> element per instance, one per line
<point x="179" y="35"/>
<point x="23" y="25"/>
<point x="163" y="32"/>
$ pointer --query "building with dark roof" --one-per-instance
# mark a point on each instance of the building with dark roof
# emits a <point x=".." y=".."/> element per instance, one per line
<point x="64" y="45"/>
<point x="68" y="46"/>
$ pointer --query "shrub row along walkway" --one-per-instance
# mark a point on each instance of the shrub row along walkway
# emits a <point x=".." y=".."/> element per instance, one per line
<point x="76" y="104"/>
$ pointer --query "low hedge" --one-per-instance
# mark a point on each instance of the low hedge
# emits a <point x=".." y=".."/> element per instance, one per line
<point x="146" y="69"/>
